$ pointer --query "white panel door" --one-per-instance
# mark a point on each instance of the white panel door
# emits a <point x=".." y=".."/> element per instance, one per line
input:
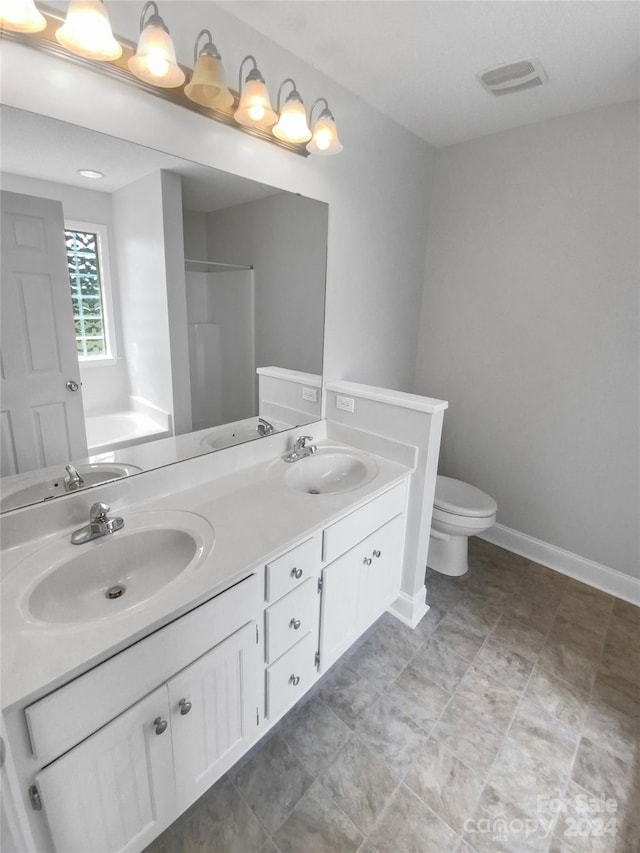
<point x="114" y="792"/>
<point x="42" y="420"/>
<point x="213" y="713"/>
<point x="380" y="571"/>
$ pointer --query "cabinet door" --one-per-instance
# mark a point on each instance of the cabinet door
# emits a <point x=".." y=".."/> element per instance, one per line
<point x="114" y="791"/>
<point x="380" y="571"/>
<point x="339" y="607"/>
<point x="213" y="712"/>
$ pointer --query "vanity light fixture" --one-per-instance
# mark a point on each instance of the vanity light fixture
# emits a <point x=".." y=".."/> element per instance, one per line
<point x="208" y="85"/>
<point x="155" y="58"/>
<point x="292" y="125"/>
<point x="21" y="16"/>
<point x="325" y="133"/>
<point x="254" y="108"/>
<point x="87" y="31"/>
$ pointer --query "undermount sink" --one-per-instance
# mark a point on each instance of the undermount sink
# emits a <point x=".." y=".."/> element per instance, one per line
<point x="41" y="490"/>
<point x="330" y="471"/>
<point x="119" y="571"/>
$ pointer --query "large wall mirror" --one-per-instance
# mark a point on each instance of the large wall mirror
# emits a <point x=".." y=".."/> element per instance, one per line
<point x="153" y="309"/>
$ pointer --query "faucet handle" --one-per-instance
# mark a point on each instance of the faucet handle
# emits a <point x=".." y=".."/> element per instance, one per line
<point x="98" y="511"/>
<point x="301" y="441"/>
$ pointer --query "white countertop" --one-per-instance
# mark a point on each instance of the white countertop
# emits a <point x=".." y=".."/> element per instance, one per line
<point x="255" y="516"/>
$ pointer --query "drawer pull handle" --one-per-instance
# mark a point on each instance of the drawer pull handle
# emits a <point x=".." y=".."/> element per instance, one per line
<point x="296" y="573"/>
<point x="367" y="561"/>
<point x="295" y="680"/>
<point x="295" y="624"/>
<point x="161" y="725"/>
<point x="377" y="553"/>
<point x="184" y="706"/>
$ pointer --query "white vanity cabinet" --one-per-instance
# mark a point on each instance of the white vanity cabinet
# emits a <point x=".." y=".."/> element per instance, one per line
<point x="118" y="788"/>
<point x="359" y="585"/>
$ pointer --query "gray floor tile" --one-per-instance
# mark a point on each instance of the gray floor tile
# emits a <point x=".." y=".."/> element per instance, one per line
<point x="536" y="611"/>
<point x="583" y="640"/>
<point x="498" y="662"/>
<point x="430" y="621"/>
<point x="418" y="696"/>
<point x="617" y="691"/>
<point x="360" y="782"/>
<point x="493" y="702"/>
<point x="315" y="733"/>
<point x="613" y="730"/>
<point x="407" y="825"/>
<point x="397" y="638"/>
<point x="520" y="777"/>
<point x="568" y="665"/>
<point x="445" y="784"/>
<point x="499" y="826"/>
<point x="317" y="825"/>
<point x="474" y="615"/>
<point x="375" y="662"/>
<point x="557" y="697"/>
<point x="347" y="693"/>
<point x="586" y="606"/>
<point x="590" y="825"/>
<point x="626" y="610"/>
<point x="463" y="733"/>
<point x="495" y="579"/>
<point x="541" y="582"/>
<point x="392" y="735"/>
<point x="601" y="772"/>
<point x="441" y="661"/>
<point x="271" y="781"/>
<point x="518" y="636"/>
<point x="544" y="735"/>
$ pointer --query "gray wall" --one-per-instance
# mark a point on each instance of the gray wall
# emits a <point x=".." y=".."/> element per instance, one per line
<point x="284" y="237"/>
<point x="529" y="327"/>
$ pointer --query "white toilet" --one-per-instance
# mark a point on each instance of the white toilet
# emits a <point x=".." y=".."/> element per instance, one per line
<point x="459" y="511"/>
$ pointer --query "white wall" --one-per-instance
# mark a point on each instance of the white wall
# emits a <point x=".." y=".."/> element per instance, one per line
<point x="283" y="237"/>
<point x="104" y="387"/>
<point x="529" y="327"/>
<point x="376" y="188"/>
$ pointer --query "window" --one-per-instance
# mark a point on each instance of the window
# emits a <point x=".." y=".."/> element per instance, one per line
<point x="89" y="280"/>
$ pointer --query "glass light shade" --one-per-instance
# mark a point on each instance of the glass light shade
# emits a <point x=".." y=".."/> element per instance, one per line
<point x="87" y="31"/>
<point x="254" y="109"/>
<point x="155" y="59"/>
<point x="21" y="16"/>
<point x="208" y="86"/>
<point x="292" y="125"/>
<point x="325" y="137"/>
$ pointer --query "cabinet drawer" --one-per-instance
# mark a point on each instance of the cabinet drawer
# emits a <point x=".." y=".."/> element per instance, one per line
<point x="290" y="676"/>
<point x="71" y="713"/>
<point x="353" y="528"/>
<point x="289" y="619"/>
<point x="291" y="569"/>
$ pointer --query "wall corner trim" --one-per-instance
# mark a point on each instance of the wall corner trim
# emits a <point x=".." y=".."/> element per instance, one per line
<point x="402" y="399"/>
<point x="579" y="568"/>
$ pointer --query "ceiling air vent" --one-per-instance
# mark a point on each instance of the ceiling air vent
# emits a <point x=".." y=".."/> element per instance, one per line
<point x="512" y="77"/>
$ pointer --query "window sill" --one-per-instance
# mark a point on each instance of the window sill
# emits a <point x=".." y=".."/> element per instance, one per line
<point x="97" y="362"/>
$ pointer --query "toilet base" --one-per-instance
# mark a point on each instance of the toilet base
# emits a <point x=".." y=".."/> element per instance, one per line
<point x="449" y="556"/>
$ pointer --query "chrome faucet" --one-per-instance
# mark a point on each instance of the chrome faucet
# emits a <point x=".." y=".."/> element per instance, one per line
<point x="300" y="449"/>
<point x="73" y="480"/>
<point x="264" y="427"/>
<point x="99" y="525"/>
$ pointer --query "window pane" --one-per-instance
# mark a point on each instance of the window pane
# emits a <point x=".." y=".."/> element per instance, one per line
<point x="86" y="292"/>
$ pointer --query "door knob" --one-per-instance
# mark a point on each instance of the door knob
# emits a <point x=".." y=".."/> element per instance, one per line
<point x="71" y="385"/>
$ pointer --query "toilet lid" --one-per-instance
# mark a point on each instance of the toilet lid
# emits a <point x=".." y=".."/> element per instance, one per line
<point x="460" y="498"/>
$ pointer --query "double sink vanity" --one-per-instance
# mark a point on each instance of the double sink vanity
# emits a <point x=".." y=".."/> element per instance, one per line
<point x="139" y="665"/>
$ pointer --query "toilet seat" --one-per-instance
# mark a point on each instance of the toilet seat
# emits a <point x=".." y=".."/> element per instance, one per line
<point x="455" y="498"/>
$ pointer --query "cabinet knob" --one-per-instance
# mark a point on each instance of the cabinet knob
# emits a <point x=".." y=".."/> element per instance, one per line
<point x="294" y="679"/>
<point x="367" y="561"/>
<point x="185" y="706"/>
<point x="296" y="573"/>
<point x="161" y="725"/>
<point x="295" y="624"/>
<point x="377" y="553"/>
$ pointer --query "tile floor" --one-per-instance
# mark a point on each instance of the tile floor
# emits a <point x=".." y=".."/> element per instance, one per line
<point x="507" y="721"/>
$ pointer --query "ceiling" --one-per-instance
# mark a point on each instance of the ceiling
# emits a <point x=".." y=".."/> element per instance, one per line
<point x="416" y="60"/>
<point x="40" y="147"/>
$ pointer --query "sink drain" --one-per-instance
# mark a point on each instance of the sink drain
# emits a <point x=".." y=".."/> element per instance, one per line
<point x="115" y="591"/>
<point x="313" y="492"/>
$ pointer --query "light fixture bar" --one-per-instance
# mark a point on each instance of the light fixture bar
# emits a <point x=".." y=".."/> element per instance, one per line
<point x="45" y="41"/>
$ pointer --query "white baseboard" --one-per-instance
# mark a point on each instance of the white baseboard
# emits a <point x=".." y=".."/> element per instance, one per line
<point x="580" y="568"/>
<point x="410" y="610"/>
